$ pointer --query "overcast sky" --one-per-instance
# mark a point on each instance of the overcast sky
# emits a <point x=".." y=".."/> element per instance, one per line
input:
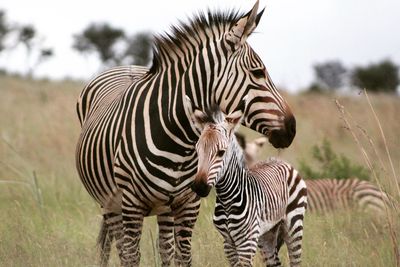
<point x="292" y="35"/>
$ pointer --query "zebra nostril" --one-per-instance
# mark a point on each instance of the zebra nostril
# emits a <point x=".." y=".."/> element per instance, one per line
<point x="290" y="124"/>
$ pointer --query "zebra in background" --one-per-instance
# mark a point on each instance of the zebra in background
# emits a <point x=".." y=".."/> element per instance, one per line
<point x="136" y="154"/>
<point x="327" y="195"/>
<point x="263" y="205"/>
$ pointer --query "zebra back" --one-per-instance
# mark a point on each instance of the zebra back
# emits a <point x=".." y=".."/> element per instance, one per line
<point x="105" y="88"/>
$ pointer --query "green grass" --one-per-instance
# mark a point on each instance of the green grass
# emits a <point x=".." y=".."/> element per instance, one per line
<point x="55" y="223"/>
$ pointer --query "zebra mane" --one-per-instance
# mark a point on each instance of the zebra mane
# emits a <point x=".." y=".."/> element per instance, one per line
<point x="185" y="35"/>
<point x="213" y="114"/>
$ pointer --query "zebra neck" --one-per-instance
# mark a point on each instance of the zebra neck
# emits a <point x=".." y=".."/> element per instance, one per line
<point x="234" y="174"/>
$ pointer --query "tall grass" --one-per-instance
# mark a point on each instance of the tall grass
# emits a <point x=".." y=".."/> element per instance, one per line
<point x="391" y="178"/>
<point x="50" y="220"/>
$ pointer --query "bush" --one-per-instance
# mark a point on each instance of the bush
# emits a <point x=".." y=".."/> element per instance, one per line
<point x="380" y="77"/>
<point x="331" y="165"/>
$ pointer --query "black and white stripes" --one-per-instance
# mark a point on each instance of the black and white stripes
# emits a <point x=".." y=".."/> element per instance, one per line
<point x="263" y="205"/>
<point x="136" y="154"/>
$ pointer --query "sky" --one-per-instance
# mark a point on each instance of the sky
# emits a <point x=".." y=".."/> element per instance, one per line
<point x="291" y="37"/>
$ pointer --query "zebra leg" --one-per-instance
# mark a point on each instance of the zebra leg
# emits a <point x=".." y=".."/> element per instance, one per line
<point x="246" y="252"/>
<point x="221" y="223"/>
<point x="166" y="238"/>
<point x="111" y="228"/>
<point x="184" y="221"/>
<point x="230" y="252"/>
<point x="293" y="237"/>
<point x="269" y="244"/>
<point x="132" y="217"/>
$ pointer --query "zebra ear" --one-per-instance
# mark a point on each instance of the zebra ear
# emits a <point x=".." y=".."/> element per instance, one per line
<point x="233" y="119"/>
<point x="260" y="141"/>
<point x="199" y="118"/>
<point x="188" y="105"/>
<point x="244" y="27"/>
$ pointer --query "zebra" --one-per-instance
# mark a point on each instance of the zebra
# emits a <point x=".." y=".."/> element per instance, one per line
<point x="136" y="155"/>
<point x="328" y="194"/>
<point x="263" y="205"/>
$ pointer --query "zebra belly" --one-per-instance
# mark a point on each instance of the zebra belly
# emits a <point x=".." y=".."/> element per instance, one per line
<point x="266" y="226"/>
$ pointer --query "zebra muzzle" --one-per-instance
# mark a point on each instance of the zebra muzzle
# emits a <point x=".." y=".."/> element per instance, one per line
<point x="202" y="189"/>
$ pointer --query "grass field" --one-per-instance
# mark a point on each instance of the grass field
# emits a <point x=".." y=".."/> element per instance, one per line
<point x="48" y="219"/>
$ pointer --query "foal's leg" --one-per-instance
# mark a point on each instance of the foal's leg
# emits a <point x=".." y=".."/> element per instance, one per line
<point x="269" y="244"/>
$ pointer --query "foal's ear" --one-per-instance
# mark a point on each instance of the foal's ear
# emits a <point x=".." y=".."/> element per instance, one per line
<point x="233" y="119"/>
<point x="199" y="118"/>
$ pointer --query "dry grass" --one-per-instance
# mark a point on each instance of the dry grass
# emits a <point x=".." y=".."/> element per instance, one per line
<point x="54" y="222"/>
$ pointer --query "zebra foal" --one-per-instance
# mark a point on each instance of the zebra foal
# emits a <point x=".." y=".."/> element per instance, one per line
<point x="262" y="206"/>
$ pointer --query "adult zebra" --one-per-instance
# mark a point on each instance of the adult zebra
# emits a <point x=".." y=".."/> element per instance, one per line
<point x="263" y="205"/>
<point x="136" y="155"/>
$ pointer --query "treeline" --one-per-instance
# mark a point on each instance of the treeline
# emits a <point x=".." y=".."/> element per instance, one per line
<point x="113" y="46"/>
<point x="377" y="77"/>
<point x="13" y="35"/>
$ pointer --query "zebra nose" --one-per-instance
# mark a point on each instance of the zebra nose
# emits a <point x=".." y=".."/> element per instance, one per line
<point x="290" y="124"/>
<point x="283" y="138"/>
<point x="200" y="188"/>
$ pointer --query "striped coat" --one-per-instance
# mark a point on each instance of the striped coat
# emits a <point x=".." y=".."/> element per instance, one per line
<point x="136" y="154"/>
<point x="263" y="205"/>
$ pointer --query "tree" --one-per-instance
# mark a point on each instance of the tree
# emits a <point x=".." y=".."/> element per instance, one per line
<point x="99" y="38"/>
<point x="4" y="29"/>
<point x="138" y="51"/>
<point x="330" y="75"/>
<point x="26" y="36"/>
<point x="383" y="76"/>
<point x="35" y="51"/>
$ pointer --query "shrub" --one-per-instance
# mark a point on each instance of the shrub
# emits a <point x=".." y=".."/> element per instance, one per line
<point x="331" y="165"/>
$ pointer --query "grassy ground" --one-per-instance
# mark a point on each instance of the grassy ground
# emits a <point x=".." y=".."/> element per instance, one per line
<point x="52" y="221"/>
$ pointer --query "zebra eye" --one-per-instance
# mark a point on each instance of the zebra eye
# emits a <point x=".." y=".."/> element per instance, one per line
<point x="220" y="152"/>
<point x="258" y="73"/>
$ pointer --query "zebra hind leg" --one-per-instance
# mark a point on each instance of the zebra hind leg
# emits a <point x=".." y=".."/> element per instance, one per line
<point x="293" y="235"/>
<point x="269" y="244"/>
<point x="111" y="228"/>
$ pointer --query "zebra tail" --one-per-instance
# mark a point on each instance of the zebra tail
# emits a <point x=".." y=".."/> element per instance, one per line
<point x="104" y="241"/>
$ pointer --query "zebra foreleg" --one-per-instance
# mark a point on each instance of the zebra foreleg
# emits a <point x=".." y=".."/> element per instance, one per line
<point x="184" y="220"/>
<point x="166" y="238"/>
<point x="246" y="252"/>
<point x="230" y="252"/>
